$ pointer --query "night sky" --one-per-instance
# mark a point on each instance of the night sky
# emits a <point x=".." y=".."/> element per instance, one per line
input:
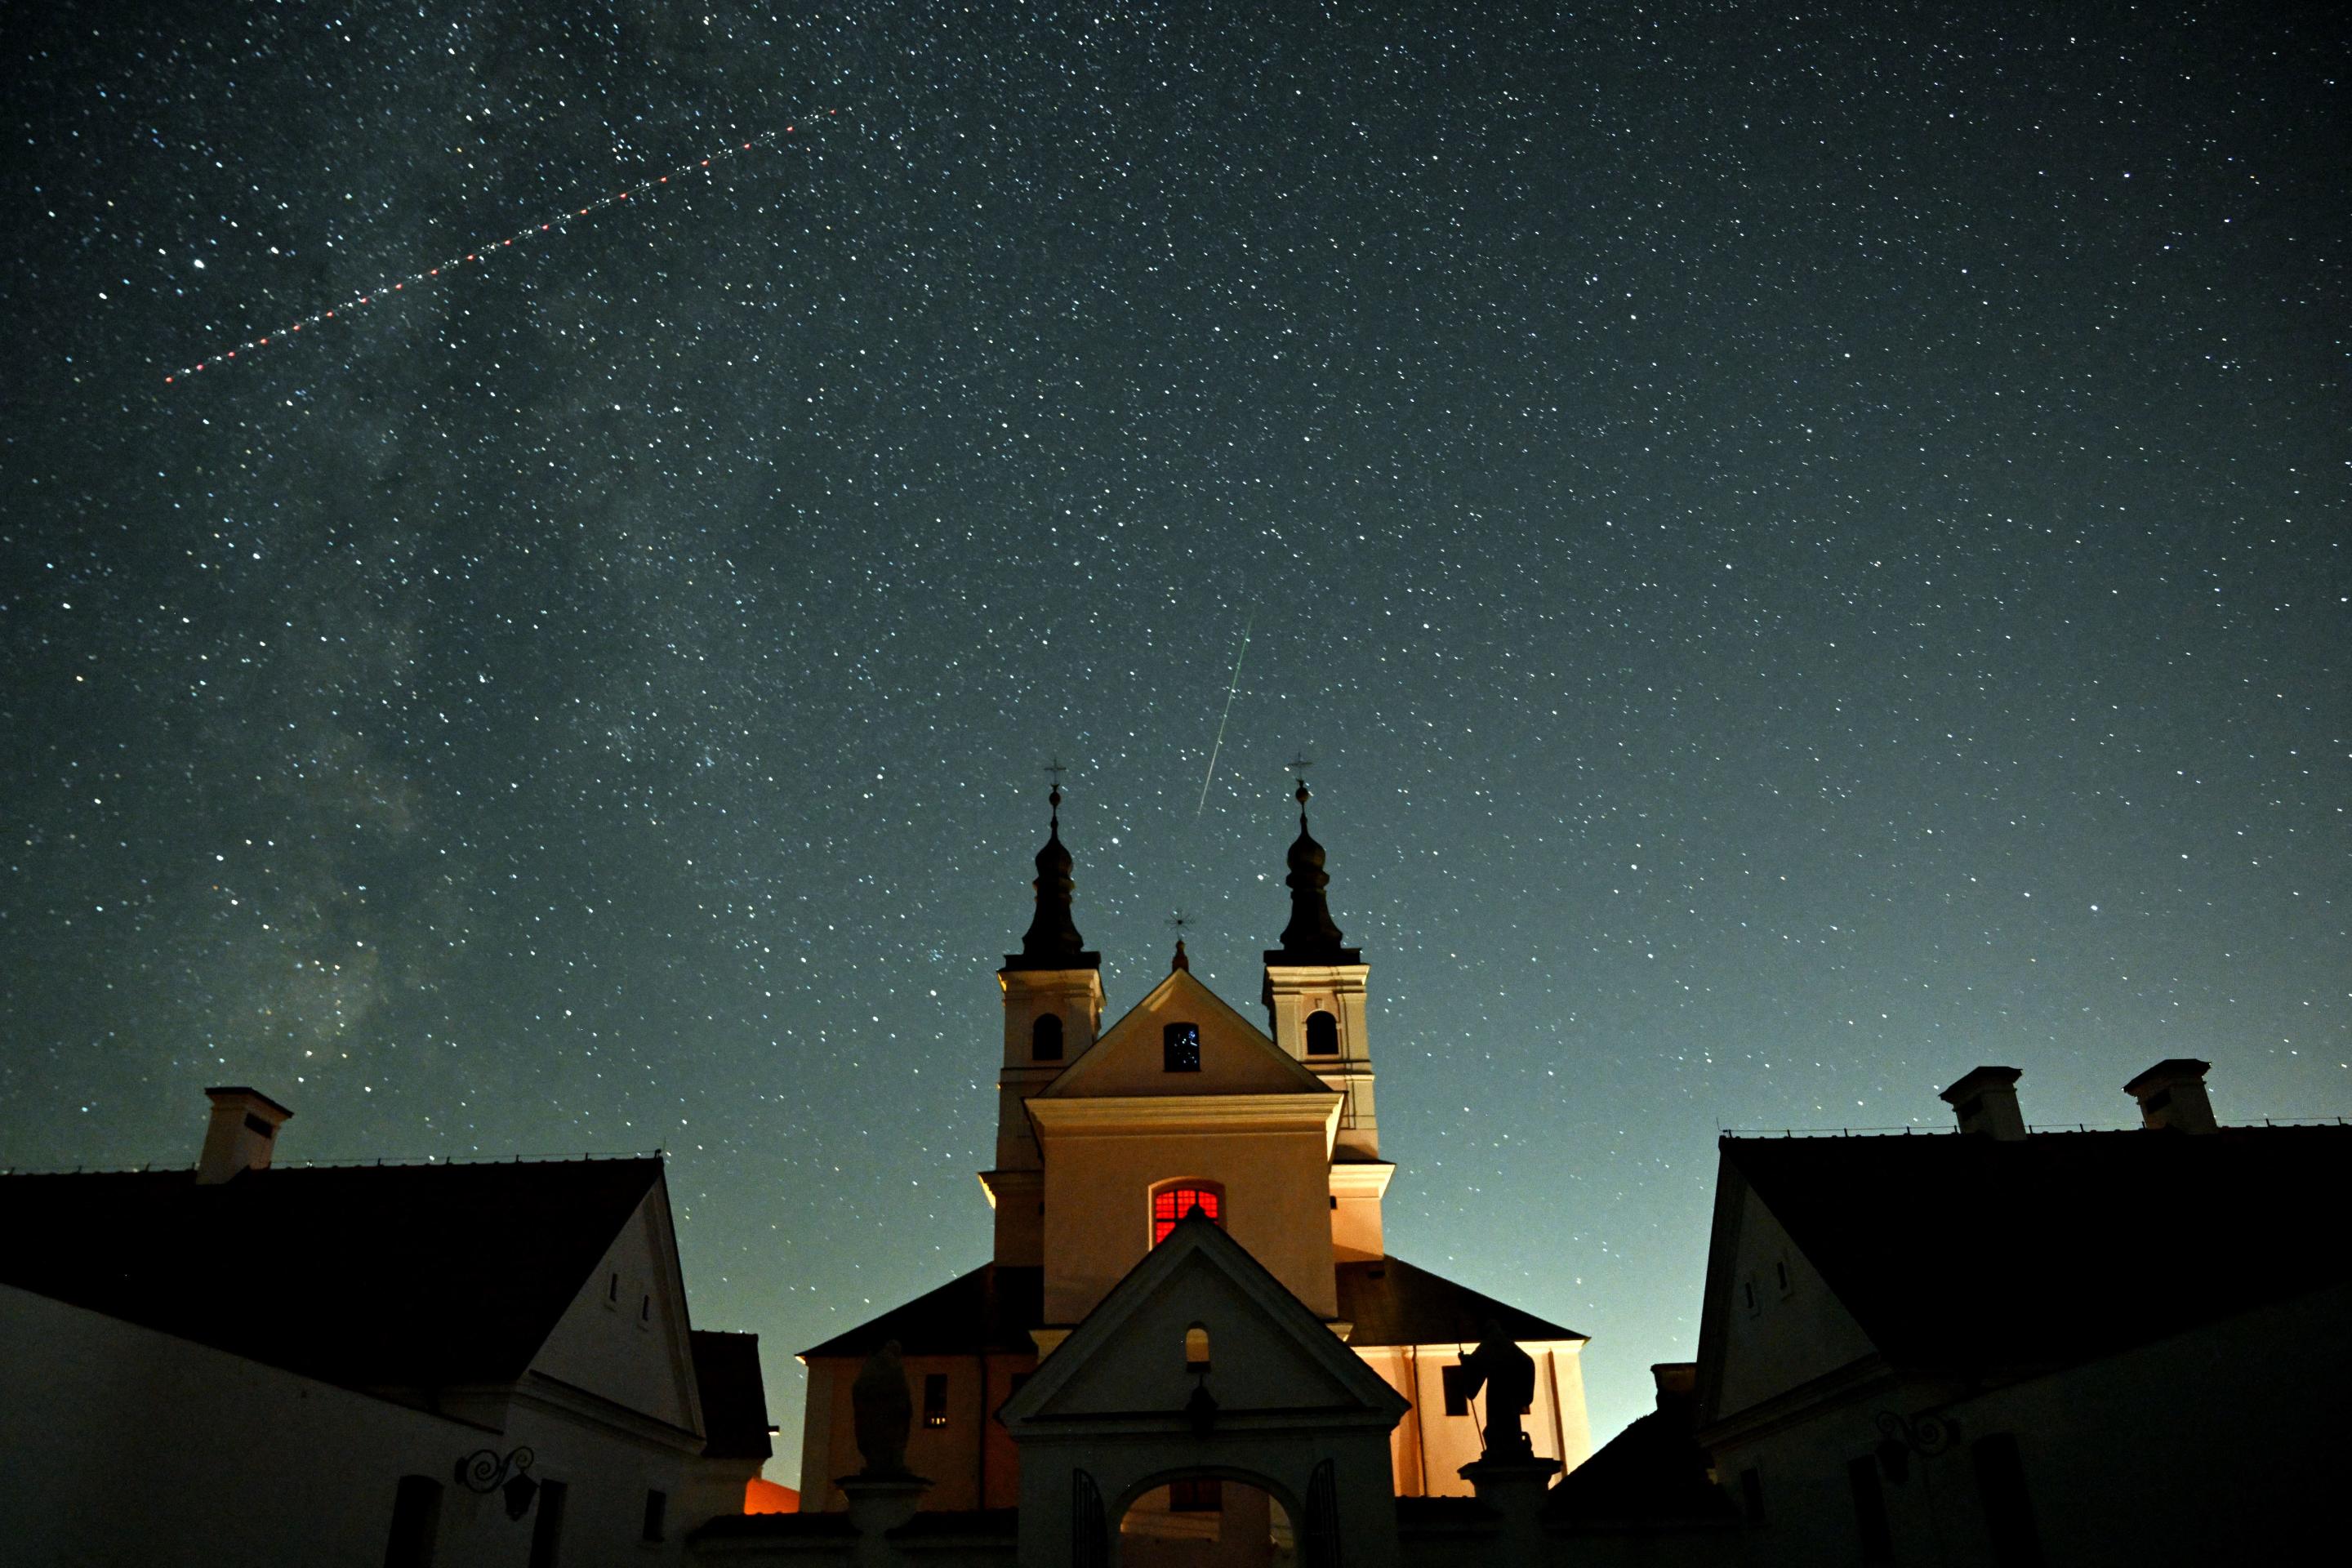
<point x="1808" y="554"/>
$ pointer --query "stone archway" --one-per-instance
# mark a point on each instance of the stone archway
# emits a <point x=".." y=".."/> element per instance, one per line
<point x="1207" y="1518"/>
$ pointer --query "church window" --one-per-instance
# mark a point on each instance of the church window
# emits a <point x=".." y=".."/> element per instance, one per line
<point x="1196" y="1494"/>
<point x="1322" y="1034"/>
<point x="935" y="1399"/>
<point x="656" y="1516"/>
<point x="1751" y="1496"/>
<point x="1045" y="1038"/>
<point x="1196" y="1348"/>
<point x="1457" y="1389"/>
<point x="1177" y="1199"/>
<point x="1179" y="1047"/>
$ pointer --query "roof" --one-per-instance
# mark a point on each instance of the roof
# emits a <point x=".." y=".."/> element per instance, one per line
<point x="734" y="1396"/>
<point x="1971" y="1252"/>
<point x="990" y="1309"/>
<point x="371" y="1276"/>
<point x="1652" y="1474"/>
<point x="1392" y="1302"/>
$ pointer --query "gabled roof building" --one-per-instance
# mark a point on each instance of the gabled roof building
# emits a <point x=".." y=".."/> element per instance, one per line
<point x="398" y="1364"/>
<point x="2015" y="1348"/>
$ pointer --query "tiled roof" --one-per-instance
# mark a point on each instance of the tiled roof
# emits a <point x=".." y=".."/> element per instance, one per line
<point x="990" y="1309"/>
<point x="1965" y="1251"/>
<point x="371" y="1276"/>
<point x="734" y="1396"/>
<point x="1392" y="1302"/>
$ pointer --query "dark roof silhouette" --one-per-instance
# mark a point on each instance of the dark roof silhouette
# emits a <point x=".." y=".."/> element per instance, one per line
<point x="1980" y="1254"/>
<point x="370" y="1277"/>
<point x="734" y="1396"/>
<point x="1652" y="1475"/>
<point x="1392" y="1302"/>
<point x="990" y="1309"/>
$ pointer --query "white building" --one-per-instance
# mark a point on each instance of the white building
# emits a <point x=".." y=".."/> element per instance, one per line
<point x="378" y="1366"/>
<point x="2013" y="1349"/>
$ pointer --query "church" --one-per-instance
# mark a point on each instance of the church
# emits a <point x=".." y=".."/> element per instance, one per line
<point x="1186" y="1128"/>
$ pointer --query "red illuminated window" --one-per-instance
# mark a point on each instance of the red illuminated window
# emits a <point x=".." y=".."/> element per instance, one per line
<point x="1172" y="1204"/>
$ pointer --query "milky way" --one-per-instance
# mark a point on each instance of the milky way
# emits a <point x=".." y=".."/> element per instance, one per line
<point x="1808" y="554"/>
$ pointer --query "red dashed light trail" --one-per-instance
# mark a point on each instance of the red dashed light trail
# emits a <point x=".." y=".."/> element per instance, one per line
<point x="555" y="224"/>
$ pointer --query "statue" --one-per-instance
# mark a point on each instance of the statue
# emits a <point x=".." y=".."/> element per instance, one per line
<point x="1509" y="1375"/>
<point x="882" y="1412"/>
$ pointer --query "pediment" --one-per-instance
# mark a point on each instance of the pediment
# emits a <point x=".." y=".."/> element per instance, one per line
<point x="1236" y="1057"/>
<point x="1267" y="1351"/>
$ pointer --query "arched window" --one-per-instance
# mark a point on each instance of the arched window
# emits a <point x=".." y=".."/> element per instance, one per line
<point x="1196" y="1348"/>
<point x="1045" y="1038"/>
<point x="1322" y="1034"/>
<point x="1173" y="1200"/>
<point x="1179" y="1047"/>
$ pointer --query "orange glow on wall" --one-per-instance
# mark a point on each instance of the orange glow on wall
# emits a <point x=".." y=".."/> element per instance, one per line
<point x="766" y="1497"/>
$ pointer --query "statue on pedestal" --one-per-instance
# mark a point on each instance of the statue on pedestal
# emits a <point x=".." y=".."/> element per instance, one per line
<point x="1509" y="1375"/>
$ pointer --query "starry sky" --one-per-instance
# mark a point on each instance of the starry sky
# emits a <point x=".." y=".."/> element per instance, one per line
<point x="1807" y="551"/>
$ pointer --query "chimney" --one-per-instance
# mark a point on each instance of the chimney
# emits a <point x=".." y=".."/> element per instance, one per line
<point x="2172" y="1094"/>
<point x="243" y="1133"/>
<point x="1985" y="1100"/>
<point x="1677" y="1381"/>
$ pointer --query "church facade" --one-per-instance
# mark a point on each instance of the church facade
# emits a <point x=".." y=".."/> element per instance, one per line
<point x="1109" y="1141"/>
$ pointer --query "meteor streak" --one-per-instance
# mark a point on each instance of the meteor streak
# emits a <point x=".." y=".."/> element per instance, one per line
<point x="1230" y="689"/>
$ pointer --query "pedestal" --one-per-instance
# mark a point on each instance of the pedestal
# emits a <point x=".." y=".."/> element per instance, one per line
<point x="1514" y="1488"/>
<point x="877" y="1505"/>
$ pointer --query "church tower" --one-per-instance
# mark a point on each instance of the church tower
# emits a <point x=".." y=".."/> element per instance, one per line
<point x="1053" y="1010"/>
<point x="1314" y="998"/>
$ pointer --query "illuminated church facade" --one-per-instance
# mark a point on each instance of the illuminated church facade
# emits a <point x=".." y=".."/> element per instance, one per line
<point x="1108" y="1138"/>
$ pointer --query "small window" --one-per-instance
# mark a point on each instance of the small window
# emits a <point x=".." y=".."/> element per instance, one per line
<point x="1179" y="1047"/>
<point x="547" y="1530"/>
<point x="1748" y="1296"/>
<point x="1045" y="1038"/>
<point x="256" y="1125"/>
<point x="1781" y="1267"/>
<point x="1196" y="1494"/>
<point x="1174" y="1202"/>
<point x="415" y="1522"/>
<point x="1322" y="1034"/>
<point x="2007" y="1510"/>
<point x="1751" y="1496"/>
<point x="646" y="1313"/>
<point x="1870" y="1520"/>
<point x="935" y="1399"/>
<point x="1196" y="1348"/>
<point x="1457" y="1389"/>
<point x="613" y="1291"/>
<point x="657" y="1515"/>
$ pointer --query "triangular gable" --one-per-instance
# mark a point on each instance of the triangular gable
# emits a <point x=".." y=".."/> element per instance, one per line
<point x="1267" y="1351"/>
<point x="1759" y="1336"/>
<point x="625" y="1337"/>
<point x="1236" y="1057"/>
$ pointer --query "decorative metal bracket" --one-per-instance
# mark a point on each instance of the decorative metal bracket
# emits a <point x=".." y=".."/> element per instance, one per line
<point x="486" y="1471"/>
<point x="1901" y="1436"/>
